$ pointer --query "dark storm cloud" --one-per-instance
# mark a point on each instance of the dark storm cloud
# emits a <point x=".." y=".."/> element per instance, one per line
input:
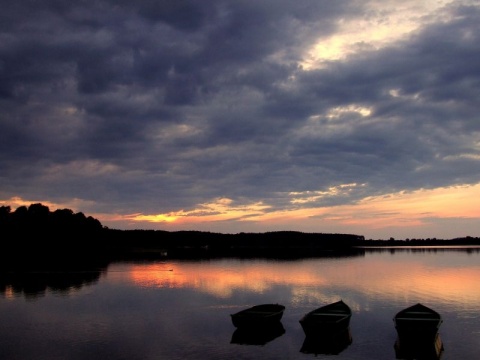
<point x="155" y="106"/>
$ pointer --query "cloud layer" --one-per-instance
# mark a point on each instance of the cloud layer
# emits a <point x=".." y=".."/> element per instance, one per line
<point x="220" y="115"/>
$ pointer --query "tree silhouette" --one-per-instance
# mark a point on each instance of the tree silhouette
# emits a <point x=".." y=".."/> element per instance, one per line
<point x="34" y="232"/>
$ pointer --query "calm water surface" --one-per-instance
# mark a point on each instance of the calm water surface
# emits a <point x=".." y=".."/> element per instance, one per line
<point x="171" y="309"/>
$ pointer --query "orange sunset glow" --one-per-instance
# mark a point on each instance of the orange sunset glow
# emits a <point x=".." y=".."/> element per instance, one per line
<point x="374" y="217"/>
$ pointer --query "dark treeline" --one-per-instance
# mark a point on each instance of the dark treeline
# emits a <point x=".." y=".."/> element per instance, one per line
<point x="31" y="231"/>
<point x="35" y="232"/>
<point x="460" y="241"/>
<point x="279" y="244"/>
<point x="38" y="218"/>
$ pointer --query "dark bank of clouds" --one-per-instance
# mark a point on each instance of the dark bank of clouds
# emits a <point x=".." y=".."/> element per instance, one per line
<point x="156" y="106"/>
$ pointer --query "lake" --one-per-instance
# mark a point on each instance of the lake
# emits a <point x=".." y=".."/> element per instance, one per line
<point x="180" y="309"/>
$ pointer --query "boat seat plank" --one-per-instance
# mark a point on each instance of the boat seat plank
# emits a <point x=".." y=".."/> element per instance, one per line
<point x="419" y="312"/>
<point x="256" y="312"/>
<point x="417" y="319"/>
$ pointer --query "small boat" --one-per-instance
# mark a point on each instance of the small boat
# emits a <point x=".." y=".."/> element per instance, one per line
<point x="258" y="315"/>
<point x="417" y="323"/>
<point x="330" y="318"/>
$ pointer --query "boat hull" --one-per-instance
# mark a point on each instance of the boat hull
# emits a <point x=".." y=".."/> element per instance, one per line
<point x="417" y="323"/>
<point x="328" y="319"/>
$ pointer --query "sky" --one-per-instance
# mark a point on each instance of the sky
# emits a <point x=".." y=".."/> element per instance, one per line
<point x="358" y="117"/>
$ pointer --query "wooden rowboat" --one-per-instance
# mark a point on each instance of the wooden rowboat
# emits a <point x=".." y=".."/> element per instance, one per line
<point x="258" y="315"/>
<point x="417" y="323"/>
<point x="328" y="319"/>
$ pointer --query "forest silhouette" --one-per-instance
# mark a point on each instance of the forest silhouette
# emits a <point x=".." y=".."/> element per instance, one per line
<point x="34" y="234"/>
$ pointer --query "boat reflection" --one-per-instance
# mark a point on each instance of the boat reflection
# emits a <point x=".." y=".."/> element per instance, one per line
<point x="419" y="350"/>
<point x="257" y="335"/>
<point x="36" y="284"/>
<point x="327" y="343"/>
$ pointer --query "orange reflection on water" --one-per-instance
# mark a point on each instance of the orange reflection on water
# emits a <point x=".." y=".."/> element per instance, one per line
<point x="458" y="285"/>
<point x="387" y="277"/>
<point x="221" y="279"/>
<point x="9" y="293"/>
<point x="411" y="278"/>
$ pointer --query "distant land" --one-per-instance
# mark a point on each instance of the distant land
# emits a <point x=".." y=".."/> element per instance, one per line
<point x="34" y="232"/>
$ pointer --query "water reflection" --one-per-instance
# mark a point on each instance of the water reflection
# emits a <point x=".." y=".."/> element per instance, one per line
<point x="176" y="309"/>
<point x="415" y="350"/>
<point x="328" y="344"/>
<point x="36" y="284"/>
<point x="439" y="276"/>
<point x="257" y="336"/>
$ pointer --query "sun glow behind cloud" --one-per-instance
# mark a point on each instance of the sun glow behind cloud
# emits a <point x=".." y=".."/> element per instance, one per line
<point x="412" y="210"/>
<point x="338" y="111"/>
<point x="218" y="210"/>
<point x="371" y="30"/>
<point x="314" y="196"/>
